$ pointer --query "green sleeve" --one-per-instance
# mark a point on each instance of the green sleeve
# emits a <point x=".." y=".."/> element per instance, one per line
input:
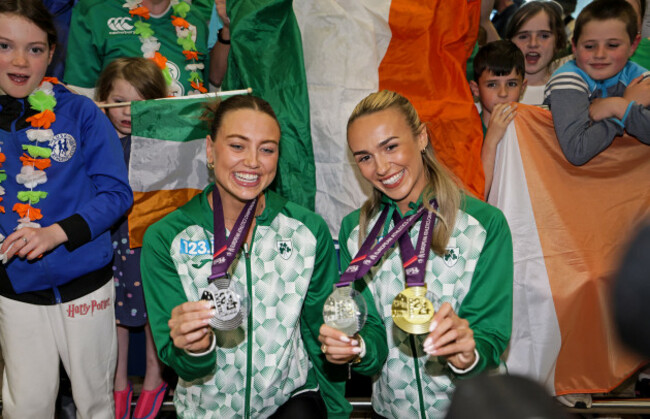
<point x="488" y="304"/>
<point x="83" y="62"/>
<point x="204" y="9"/>
<point x="331" y="378"/>
<point x="373" y="332"/>
<point x="163" y="291"/>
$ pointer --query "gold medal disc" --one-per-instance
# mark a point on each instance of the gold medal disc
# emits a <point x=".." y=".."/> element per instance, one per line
<point x="412" y="311"/>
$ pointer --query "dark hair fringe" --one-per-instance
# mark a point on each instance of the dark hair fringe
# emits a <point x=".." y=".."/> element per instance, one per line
<point x="215" y="110"/>
<point x="35" y="12"/>
<point x="499" y="57"/>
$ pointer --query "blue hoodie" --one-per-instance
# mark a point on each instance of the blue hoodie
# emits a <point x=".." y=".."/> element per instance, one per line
<point x="87" y="191"/>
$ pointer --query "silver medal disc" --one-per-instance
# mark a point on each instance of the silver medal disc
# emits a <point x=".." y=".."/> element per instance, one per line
<point x="228" y="307"/>
<point x="345" y="310"/>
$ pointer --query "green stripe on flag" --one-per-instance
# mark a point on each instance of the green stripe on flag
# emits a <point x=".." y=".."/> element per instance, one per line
<point x="266" y="54"/>
<point x="169" y="119"/>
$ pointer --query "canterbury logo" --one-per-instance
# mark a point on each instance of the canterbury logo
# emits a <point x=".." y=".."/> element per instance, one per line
<point x="119" y="24"/>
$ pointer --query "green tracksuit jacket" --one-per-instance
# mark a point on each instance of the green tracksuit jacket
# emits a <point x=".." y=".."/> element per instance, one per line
<point x="474" y="276"/>
<point x="287" y="274"/>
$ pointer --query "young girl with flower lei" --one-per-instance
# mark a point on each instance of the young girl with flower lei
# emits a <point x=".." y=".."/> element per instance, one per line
<point x="63" y="184"/>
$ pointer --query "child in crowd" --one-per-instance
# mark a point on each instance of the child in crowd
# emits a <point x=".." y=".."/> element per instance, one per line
<point x="63" y="185"/>
<point x="498" y="83"/>
<point x="537" y="29"/>
<point x="601" y="94"/>
<point x="126" y="80"/>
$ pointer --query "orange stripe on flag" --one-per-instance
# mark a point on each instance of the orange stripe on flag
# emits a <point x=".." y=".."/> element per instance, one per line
<point x="584" y="217"/>
<point x="426" y="62"/>
<point x="149" y="207"/>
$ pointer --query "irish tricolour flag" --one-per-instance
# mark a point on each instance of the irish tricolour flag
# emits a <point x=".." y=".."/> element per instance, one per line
<point x="167" y="166"/>
<point x="569" y="226"/>
<point x="315" y="60"/>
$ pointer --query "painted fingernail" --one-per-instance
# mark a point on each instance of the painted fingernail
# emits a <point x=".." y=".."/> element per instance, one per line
<point x="207" y="305"/>
<point x="433" y="326"/>
<point x="354" y="342"/>
<point x="428" y="342"/>
<point x="356" y="350"/>
<point x="344" y="339"/>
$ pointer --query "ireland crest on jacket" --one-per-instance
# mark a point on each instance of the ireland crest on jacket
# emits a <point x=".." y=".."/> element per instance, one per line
<point x="284" y="248"/>
<point x="451" y="256"/>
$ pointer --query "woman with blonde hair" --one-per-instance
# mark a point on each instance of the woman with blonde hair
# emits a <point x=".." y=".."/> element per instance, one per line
<point x="454" y="257"/>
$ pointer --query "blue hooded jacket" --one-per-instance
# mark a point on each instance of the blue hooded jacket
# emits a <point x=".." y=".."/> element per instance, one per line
<point x="87" y="191"/>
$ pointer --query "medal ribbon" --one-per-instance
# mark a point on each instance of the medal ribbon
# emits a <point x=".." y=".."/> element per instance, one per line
<point x="415" y="263"/>
<point x="226" y="250"/>
<point x="368" y="255"/>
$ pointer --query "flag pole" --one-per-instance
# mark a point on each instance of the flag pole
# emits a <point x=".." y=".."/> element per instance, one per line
<point x="247" y="91"/>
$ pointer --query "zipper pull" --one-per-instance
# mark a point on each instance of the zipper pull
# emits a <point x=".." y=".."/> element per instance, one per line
<point x="246" y="250"/>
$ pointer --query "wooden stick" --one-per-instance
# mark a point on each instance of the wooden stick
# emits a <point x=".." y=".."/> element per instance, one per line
<point x="205" y="95"/>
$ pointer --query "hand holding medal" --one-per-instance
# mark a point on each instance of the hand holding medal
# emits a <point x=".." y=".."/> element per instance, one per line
<point x="451" y="337"/>
<point x="188" y="326"/>
<point x="344" y="311"/>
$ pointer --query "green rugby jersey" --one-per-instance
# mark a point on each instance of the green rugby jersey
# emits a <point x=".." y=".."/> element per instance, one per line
<point x="474" y="276"/>
<point x="102" y="30"/>
<point x="287" y="274"/>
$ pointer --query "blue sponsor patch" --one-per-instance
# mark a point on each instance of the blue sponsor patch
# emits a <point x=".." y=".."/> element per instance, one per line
<point x="193" y="248"/>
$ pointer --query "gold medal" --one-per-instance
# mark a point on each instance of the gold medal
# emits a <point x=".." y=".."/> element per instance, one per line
<point x="412" y="311"/>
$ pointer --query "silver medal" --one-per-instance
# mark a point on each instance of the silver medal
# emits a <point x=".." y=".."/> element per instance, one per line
<point x="345" y="310"/>
<point x="227" y="304"/>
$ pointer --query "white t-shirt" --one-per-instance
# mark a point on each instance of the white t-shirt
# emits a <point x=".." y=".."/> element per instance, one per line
<point x="533" y="95"/>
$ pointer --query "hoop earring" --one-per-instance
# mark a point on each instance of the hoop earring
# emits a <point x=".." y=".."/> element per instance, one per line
<point x="210" y="165"/>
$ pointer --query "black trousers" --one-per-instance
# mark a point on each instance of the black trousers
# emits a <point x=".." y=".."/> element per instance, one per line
<point x="309" y="404"/>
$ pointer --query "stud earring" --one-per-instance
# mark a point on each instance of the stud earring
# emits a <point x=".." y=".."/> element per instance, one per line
<point x="210" y="165"/>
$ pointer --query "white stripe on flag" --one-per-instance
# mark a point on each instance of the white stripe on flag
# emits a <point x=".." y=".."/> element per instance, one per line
<point x="536" y="339"/>
<point x="164" y="165"/>
<point x="343" y="44"/>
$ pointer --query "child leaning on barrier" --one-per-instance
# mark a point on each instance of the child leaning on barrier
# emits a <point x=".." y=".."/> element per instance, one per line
<point x="601" y="94"/>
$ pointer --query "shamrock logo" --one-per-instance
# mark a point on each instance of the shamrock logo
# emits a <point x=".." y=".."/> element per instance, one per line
<point x="285" y="249"/>
<point x="451" y="256"/>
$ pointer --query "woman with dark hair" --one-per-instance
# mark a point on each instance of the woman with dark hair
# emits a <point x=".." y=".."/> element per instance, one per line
<point x="235" y="282"/>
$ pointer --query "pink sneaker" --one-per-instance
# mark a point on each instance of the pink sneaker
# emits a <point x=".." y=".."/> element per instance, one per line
<point x="123" y="402"/>
<point x="150" y="402"/>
